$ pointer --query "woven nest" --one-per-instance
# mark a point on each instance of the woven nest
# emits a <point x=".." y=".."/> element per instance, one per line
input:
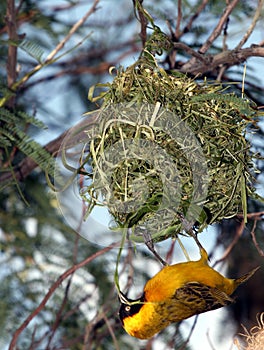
<point x="167" y="151"/>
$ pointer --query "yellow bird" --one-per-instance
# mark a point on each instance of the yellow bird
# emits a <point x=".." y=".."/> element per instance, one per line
<point x="175" y="293"/>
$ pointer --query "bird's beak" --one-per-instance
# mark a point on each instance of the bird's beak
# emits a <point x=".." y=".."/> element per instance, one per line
<point x="123" y="299"/>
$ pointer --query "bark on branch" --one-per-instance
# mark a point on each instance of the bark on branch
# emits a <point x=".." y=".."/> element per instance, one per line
<point x="202" y="64"/>
<point x="27" y="165"/>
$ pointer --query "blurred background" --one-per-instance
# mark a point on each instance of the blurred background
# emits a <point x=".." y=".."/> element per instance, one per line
<point x="39" y="239"/>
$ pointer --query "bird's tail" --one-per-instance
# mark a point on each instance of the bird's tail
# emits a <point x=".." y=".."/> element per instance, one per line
<point x="245" y="277"/>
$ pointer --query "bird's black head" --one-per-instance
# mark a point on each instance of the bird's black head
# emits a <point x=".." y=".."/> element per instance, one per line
<point x="129" y="307"/>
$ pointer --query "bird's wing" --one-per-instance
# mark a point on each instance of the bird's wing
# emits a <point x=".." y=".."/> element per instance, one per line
<point x="201" y="298"/>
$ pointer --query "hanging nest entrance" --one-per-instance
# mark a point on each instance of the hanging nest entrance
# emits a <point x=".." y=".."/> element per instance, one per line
<point x="167" y="149"/>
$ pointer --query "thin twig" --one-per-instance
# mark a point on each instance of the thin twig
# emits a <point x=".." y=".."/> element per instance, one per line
<point x="224" y="67"/>
<point x="221" y="72"/>
<point x="111" y="331"/>
<point x="76" y="307"/>
<point x="209" y="340"/>
<point x="252" y="25"/>
<point x="69" y="138"/>
<point x="74" y="28"/>
<point x="217" y="30"/>
<point x="87" y="344"/>
<point x="32" y="340"/>
<point x="228" y="58"/>
<point x="65" y="298"/>
<point x="76" y="66"/>
<point x="53" y="288"/>
<point x="19" y="7"/>
<point x="190" y="334"/>
<point x="61" y="44"/>
<point x="225" y="47"/>
<point x="257" y="215"/>
<point x="190" y="51"/>
<point x="150" y="245"/>
<point x="179" y="18"/>
<point x="232" y="244"/>
<point x="188" y="26"/>
<point x="260" y="251"/>
<point x="10" y="19"/>
<point x="170" y="251"/>
<point x="138" y="8"/>
<point x="89" y="335"/>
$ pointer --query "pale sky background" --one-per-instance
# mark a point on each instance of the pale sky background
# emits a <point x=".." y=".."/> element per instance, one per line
<point x="208" y="323"/>
<point x="206" y="334"/>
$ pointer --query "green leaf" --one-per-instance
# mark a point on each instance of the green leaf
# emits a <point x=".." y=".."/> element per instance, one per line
<point x="33" y="49"/>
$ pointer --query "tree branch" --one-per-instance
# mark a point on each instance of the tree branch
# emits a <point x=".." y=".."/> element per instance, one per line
<point x="142" y="19"/>
<point x="216" y="32"/>
<point x="201" y="65"/>
<point x="74" y="28"/>
<point x="12" y="49"/>
<point x="188" y="26"/>
<point x="179" y="19"/>
<point x="52" y="289"/>
<point x="252" y="25"/>
<point x="232" y="244"/>
<point x="227" y="58"/>
<point x="27" y="165"/>
<point x="15" y="85"/>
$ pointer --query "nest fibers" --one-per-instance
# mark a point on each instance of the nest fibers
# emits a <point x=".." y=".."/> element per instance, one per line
<point x="167" y="152"/>
<point x="255" y="337"/>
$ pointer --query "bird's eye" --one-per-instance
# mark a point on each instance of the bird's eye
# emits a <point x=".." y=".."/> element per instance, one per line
<point x="127" y="308"/>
